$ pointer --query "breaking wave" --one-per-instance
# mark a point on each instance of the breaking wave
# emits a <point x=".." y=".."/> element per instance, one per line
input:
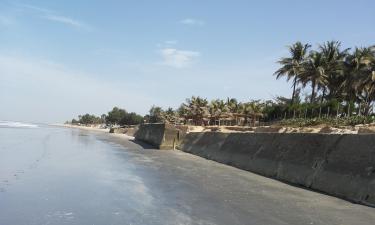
<point x="12" y="124"/>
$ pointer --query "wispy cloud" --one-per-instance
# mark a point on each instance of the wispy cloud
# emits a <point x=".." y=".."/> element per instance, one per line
<point x="54" y="16"/>
<point x="65" y="20"/>
<point x="34" y="8"/>
<point x="192" y="22"/>
<point x="178" y="58"/>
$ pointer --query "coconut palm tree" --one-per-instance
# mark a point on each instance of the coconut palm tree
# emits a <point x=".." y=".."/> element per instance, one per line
<point x="291" y="66"/>
<point x="253" y="110"/>
<point x="334" y="67"/>
<point x="233" y="105"/>
<point x="233" y="109"/>
<point x="217" y="108"/>
<point x="314" y="72"/>
<point x="183" y="112"/>
<point x="360" y="75"/>
<point x="197" y="109"/>
<point x="170" y="115"/>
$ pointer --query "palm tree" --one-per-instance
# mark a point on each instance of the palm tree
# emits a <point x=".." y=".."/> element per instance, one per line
<point x="233" y="108"/>
<point x="197" y="109"/>
<point x="314" y="72"/>
<point x="217" y="108"/>
<point x="333" y="65"/>
<point x="170" y="115"/>
<point x="360" y="70"/>
<point x="291" y="66"/>
<point x="252" y="109"/>
<point x="233" y="105"/>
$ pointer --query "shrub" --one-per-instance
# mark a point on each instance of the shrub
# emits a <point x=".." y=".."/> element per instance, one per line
<point x="331" y="121"/>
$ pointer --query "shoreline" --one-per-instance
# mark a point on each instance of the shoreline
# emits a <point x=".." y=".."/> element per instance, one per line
<point x="82" y="127"/>
<point x="95" y="129"/>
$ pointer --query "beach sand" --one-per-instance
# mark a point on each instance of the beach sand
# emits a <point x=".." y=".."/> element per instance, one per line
<point x="96" y="129"/>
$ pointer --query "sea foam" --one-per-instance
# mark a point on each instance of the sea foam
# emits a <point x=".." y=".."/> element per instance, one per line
<point x="13" y="124"/>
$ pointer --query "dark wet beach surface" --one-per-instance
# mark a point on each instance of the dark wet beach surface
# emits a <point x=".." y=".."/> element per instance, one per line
<point x="54" y="175"/>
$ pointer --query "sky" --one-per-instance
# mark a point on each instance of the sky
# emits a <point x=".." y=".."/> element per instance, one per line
<point x="59" y="59"/>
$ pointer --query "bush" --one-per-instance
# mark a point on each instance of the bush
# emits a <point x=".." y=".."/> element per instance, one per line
<point x="331" y="121"/>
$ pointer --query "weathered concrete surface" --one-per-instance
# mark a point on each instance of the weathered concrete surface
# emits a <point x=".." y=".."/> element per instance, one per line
<point x="349" y="171"/>
<point x="61" y="176"/>
<point x="340" y="165"/>
<point x="130" y="131"/>
<point x="159" y="135"/>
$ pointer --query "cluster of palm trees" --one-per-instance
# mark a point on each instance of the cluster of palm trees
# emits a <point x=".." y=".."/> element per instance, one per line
<point x="343" y="75"/>
<point x="200" y="111"/>
<point x="342" y="83"/>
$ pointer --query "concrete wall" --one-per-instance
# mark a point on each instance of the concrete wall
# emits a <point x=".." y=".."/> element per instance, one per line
<point x="130" y="131"/>
<point x="340" y="165"/>
<point x="159" y="135"/>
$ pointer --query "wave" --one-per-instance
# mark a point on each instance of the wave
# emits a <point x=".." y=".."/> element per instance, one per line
<point x="12" y="124"/>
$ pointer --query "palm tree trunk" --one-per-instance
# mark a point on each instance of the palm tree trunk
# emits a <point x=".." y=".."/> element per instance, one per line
<point x="294" y="90"/>
<point x="367" y="104"/>
<point x="313" y="91"/>
<point x="323" y="95"/>
<point x="348" y="109"/>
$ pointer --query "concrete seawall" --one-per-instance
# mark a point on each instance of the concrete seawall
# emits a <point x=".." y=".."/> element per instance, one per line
<point x="159" y="135"/>
<point x="339" y="165"/>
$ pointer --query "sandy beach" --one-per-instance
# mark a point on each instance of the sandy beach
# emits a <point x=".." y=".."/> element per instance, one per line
<point x="79" y="175"/>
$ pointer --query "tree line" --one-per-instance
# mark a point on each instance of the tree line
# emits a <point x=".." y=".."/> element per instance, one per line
<point x="200" y="111"/>
<point x="341" y="84"/>
<point x="337" y="77"/>
<point x="336" y="82"/>
<point x="116" y="116"/>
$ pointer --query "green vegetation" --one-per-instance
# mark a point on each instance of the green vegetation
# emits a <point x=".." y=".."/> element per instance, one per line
<point x="116" y="116"/>
<point x="329" y="121"/>
<point x="88" y="119"/>
<point x="340" y="85"/>
<point x="330" y="85"/>
<point x="199" y="111"/>
<point x="334" y="75"/>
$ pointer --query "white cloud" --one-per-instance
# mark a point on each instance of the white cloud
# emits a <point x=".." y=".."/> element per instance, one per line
<point x="192" y="22"/>
<point x="65" y="20"/>
<point x="178" y="58"/>
<point x="34" y="8"/>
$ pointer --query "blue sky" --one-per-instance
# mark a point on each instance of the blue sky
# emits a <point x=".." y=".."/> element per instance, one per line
<point x="59" y="59"/>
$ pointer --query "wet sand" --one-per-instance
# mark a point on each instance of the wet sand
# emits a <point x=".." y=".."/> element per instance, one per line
<point x="57" y="175"/>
